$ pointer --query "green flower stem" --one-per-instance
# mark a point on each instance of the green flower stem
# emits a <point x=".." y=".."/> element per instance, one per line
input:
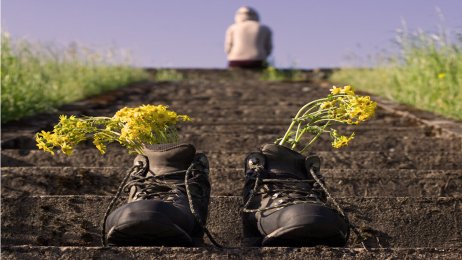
<point x="96" y="119"/>
<point x="331" y="120"/>
<point x="297" y="133"/>
<point x="286" y="135"/>
<point x="315" y="138"/>
<point x="306" y="112"/>
<point x="297" y="138"/>
<point x="323" y="110"/>
<point x="315" y="113"/>
<point x="297" y="116"/>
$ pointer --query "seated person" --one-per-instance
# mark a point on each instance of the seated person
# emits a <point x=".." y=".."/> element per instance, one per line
<point x="248" y="43"/>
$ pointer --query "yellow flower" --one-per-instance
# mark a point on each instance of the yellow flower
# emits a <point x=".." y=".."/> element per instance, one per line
<point x="340" y="141"/>
<point x="441" y="75"/>
<point x="325" y="105"/>
<point x="334" y="90"/>
<point x="45" y="135"/>
<point x="62" y="118"/>
<point x="100" y="146"/>
<point x="66" y="148"/>
<point x="348" y="90"/>
<point x="42" y="144"/>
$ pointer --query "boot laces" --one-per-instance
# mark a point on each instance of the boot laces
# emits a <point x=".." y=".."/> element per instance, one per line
<point x="295" y="191"/>
<point x="151" y="187"/>
<point x="289" y="191"/>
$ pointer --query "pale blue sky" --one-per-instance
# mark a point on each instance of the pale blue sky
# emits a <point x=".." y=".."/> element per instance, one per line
<point x="174" y="33"/>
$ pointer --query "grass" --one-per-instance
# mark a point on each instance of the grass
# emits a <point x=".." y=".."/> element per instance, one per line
<point x="167" y="75"/>
<point x="426" y="73"/>
<point x="37" y="78"/>
<point x="273" y="74"/>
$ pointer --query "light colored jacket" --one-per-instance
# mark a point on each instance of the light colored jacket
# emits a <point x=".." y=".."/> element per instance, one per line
<point x="247" y="39"/>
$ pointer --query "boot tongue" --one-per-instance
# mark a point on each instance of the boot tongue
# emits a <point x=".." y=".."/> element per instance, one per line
<point x="282" y="162"/>
<point x="167" y="158"/>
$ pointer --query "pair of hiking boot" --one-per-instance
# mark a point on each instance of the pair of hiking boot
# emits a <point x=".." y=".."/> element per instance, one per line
<point x="284" y="201"/>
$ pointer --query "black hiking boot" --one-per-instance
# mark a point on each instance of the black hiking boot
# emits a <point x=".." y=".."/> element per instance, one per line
<point x="169" y="192"/>
<point x="285" y="201"/>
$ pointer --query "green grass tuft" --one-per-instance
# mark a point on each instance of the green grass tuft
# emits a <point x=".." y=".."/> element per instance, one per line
<point x="427" y="74"/>
<point x="167" y="75"/>
<point x="273" y="74"/>
<point x="37" y="78"/>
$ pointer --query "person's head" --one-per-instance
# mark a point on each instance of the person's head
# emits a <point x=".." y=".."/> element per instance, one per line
<point x="246" y="13"/>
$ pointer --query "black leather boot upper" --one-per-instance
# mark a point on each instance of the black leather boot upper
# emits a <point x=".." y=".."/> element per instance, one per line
<point x="284" y="204"/>
<point x="158" y="210"/>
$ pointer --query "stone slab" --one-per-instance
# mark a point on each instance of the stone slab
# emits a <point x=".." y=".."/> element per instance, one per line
<point x="388" y="222"/>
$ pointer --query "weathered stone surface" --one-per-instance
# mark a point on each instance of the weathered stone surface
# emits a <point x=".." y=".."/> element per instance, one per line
<point x="388" y="222"/>
<point x="24" y="181"/>
<point x="340" y="159"/>
<point x="235" y="142"/>
<point x="51" y="252"/>
<point x="401" y="152"/>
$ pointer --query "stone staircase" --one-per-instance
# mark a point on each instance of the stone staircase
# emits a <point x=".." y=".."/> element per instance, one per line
<point x="399" y="181"/>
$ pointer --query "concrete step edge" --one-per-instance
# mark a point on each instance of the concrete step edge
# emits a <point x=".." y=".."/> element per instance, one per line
<point x="333" y="172"/>
<point x="13" y="252"/>
<point x="24" y="181"/>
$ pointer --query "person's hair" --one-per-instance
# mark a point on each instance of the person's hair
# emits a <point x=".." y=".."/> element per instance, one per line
<point x="246" y="13"/>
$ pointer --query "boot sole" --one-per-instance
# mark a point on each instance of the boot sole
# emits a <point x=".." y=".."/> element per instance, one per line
<point x="285" y="237"/>
<point x="158" y="231"/>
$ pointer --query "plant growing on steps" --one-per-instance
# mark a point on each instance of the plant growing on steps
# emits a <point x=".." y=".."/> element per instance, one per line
<point x="168" y="75"/>
<point x="131" y="127"/>
<point x="341" y="106"/>
<point x="273" y="74"/>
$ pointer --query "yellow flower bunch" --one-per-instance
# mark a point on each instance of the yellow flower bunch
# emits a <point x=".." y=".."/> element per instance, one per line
<point x="345" y="106"/>
<point x="341" y="106"/>
<point x="131" y="127"/>
<point x="340" y="140"/>
<point x="66" y="134"/>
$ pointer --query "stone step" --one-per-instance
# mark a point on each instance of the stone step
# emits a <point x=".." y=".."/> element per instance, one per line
<point x="362" y="129"/>
<point x="258" y="129"/>
<point x="15" y="138"/>
<point x="363" y="160"/>
<point x="280" y="112"/>
<point x="224" y="116"/>
<point x="207" y="120"/>
<point x="202" y="105"/>
<point x="190" y="93"/>
<point x="240" y="125"/>
<point x="237" y="92"/>
<point x="368" y="142"/>
<point x="212" y="93"/>
<point x="25" y="139"/>
<point x="27" y="181"/>
<point x="208" y="253"/>
<point x="230" y="109"/>
<point x="203" y="117"/>
<point x="339" y="159"/>
<point x="389" y="222"/>
<point x="235" y="142"/>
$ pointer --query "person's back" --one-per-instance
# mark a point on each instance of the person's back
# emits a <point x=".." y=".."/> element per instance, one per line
<point x="248" y="43"/>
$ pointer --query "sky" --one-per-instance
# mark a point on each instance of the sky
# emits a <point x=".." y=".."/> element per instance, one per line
<point x="307" y="34"/>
